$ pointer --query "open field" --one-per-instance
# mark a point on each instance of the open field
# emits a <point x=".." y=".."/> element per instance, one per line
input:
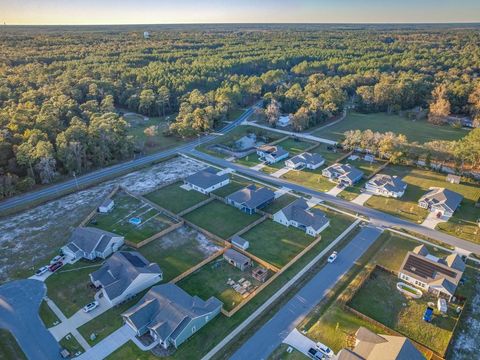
<point x="310" y="178"/>
<point x="211" y="280"/>
<point x="174" y="198"/>
<point x="276" y="243"/>
<point x="178" y="251"/>
<point x="220" y="219"/>
<point x="127" y="207"/>
<point x="9" y="348"/>
<point x="419" y="130"/>
<point x="47" y="315"/>
<point x="279" y="203"/>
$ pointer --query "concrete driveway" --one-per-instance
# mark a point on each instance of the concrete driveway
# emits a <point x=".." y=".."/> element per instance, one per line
<point x="432" y="220"/>
<point x="335" y="191"/>
<point x="19" y="304"/>
<point x="299" y="341"/>
<point x="281" y="172"/>
<point x="362" y="198"/>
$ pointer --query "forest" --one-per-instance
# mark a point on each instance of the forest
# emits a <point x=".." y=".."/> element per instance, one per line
<point x="61" y="88"/>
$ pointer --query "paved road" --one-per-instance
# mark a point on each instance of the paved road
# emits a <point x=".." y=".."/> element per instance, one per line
<point x="272" y="334"/>
<point x="105" y="173"/>
<point x="19" y="304"/>
<point x="378" y="218"/>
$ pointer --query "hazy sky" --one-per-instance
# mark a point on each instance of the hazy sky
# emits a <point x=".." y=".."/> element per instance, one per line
<point x="240" y="11"/>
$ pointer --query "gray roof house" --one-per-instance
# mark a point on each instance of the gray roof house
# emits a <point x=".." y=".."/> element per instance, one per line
<point x="370" y="346"/>
<point x="250" y="198"/>
<point x="207" y="180"/>
<point x="272" y="153"/>
<point x="430" y="273"/>
<point x="170" y="315"/>
<point x="306" y="159"/>
<point x="440" y="200"/>
<point x="237" y="259"/>
<point x="297" y="214"/>
<point x="125" y="274"/>
<point x="386" y="185"/>
<point x="343" y="173"/>
<point x="90" y="243"/>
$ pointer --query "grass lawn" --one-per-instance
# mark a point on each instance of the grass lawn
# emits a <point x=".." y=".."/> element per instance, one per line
<point x="69" y="287"/>
<point x="351" y="192"/>
<point x="47" y="315"/>
<point x="174" y="198"/>
<point x="281" y="353"/>
<point x="71" y="344"/>
<point x="309" y="178"/>
<point x="279" y="203"/>
<point x="367" y="167"/>
<point x="294" y="147"/>
<point x="126" y="207"/>
<point x="419" y="130"/>
<point x="211" y="280"/>
<point x="249" y="160"/>
<point x="235" y="184"/>
<point x="178" y="251"/>
<point x="379" y="299"/>
<point x="276" y="243"/>
<point x="220" y="219"/>
<point x="9" y="348"/>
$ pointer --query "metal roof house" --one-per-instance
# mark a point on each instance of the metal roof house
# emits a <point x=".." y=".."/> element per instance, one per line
<point x="343" y="173"/>
<point x="90" y="243"/>
<point x="170" y="315"/>
<point x="250" y="198"/>
<point x="305" y="160"/>
<point x="298" y="214"/>
<point x="125" y="274"/>
<point x="272" y="153"/>
<point x="207" y="180"/>
<point x="370" y="346"/>
<point x="427" y="272"/>
<point x="440" y="200"/>
<point x="386" y="185"/>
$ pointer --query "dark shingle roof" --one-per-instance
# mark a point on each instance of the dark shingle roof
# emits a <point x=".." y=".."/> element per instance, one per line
<point x="345" y="170"/>
<point x="307" y="159"/>
<point x="251" y="196"/>
<point x="273" y="150"/>
<point x="388" y="182"/>
<point x="89" y="239"/>
<point x="442" y="197"/>
<point x="206" y="178"/>
<point x="298" y="211"/>
<point x="239" y="258"/>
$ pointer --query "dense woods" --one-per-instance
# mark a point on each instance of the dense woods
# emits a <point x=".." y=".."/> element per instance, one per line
<point x="61" y="88"/>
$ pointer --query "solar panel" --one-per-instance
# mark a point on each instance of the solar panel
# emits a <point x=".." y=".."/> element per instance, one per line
<point x="134" y="260"/>
<point x="425" y="268"/>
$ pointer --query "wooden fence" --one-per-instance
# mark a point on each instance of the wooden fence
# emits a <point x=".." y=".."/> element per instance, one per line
<point x="343" y="157"/>
<point x="196" y="206"/>
<point x="94" y="211"/>
<point x="198" y="266"/>
<point x="171" y="228"/>
<point x="378" y="170"/>
<point x="248" y="227"/>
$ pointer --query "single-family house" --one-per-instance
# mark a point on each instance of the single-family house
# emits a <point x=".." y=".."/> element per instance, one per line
<point x="207" y="180"/>
<point x="305" y="160"/>
<point x="90" y="243"/>
<point x="386" y="185"/>
<point x="271" y="154"/>
<point x="441" y="201"/>
<point x="298" y="214"/>
<point x="106" y="206"/>
<point x="371" y="346"/>
<point x="251" y="198"/>
<point x="125" y="274"/>
<point x="453" y="179"/>
<point x="284" y="120"/>
<point x="237" y="259"/>
<point x="344" y="174"/>
<point x="170" y="315"/>
<point x="240" y="242"/>
<point x="436" y="275"/>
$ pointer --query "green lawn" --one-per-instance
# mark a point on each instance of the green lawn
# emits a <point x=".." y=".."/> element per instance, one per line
<point x="351" y="192"/>
<point x="126" y="207"/>
<point x="178" y="251"/>
<point x="174" y="198"/>
<point x="9" y="348"/>
<point x="276" y="243"/>
<point x="69" y="287"/>
<point x="330" y="156"/>
<point x="249" y="160"/>
<point x="279" y="203"/>
<point x="234" y="185"/>
<point x="367" y="167"/>
<point x="309" y="178"/>
<point x="294" y="147"/>
<point x="220" y="219"/>
<point x="281" y="353"/>
<point x="47" y="315"/>
<point x="211" y="280"/>
<point x="71" y="344"/>
<point x="419" y="130"/>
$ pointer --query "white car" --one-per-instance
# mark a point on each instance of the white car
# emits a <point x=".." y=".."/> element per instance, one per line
<point x="41" y="271"/>
<point x="56" y="259"/>
<point x="325" y="350"/>
<point x="89" y="307"/>
<point x="332" y="257"/>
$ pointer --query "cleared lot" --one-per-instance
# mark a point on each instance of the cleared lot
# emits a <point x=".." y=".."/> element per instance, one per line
<point x="174" y="198"/>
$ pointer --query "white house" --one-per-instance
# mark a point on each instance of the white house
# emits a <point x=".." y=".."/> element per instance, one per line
<point x="284" y="121"/>
<point x="240" y="242"/>
<point x="305" y="160"/>
<point x="106" y="206"/>
<point x="386" y="185"/>
<point x="207" y="180"/>
<point x="272" y="153"/>
<point x="125" y="274"/>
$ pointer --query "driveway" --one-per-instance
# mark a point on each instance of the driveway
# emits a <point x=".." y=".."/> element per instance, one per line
<point x="432" y="220"/>
<point x="362" y="198"/>
<point x="19" y="304"/>
<point x="299" y="341"/>
<point x="263" y="342"/>
<point x="258" y="166"/>
<point x="335" y="191"/>
<point x="280" y="172"/>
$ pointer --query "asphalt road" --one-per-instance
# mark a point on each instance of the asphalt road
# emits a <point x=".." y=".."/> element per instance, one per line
<point x="272" y="334"/>
<point x="377" y="218"/>
<point x="19" y="304"/>
<point x="105" y="173"/>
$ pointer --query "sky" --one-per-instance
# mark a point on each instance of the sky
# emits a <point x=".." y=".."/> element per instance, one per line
<point x="83" y="12"/>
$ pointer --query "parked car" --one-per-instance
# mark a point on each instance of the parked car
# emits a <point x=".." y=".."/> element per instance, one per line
<point x="41" y="271"/>
<point x="332" y="257"/>
<point x="55" y="266"/>
<point x="89" y="307"/>
<point x="315" y="354"/>
<point x="325" y="350"/>
<point x="56" y="259"/>
<point x="428" y="314"/>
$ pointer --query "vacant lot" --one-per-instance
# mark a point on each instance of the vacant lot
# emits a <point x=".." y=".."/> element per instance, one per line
<point x="126" y="208"/>
<point x="174" y="198"/>
<point x="9" y="348"/>
<point x="309" y="178"/>
<point x="419" y="130"/>
<point x="211" y="280"/>
<point x="220" y="219"/>
<point x="276" y="243"/>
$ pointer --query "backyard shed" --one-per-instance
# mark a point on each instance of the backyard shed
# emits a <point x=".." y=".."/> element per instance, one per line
<point x="106" y="206"/>
<point x="237" y="259"/>
<point x="240" y="242"/>
<point x="453" y="179"/>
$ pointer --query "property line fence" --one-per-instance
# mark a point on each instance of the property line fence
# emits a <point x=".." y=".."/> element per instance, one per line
<point x="198" y="266"/>
<point x="95" y="210"/>
<point x="248" y="227"/>
<point x="196" y="206"/>
<point x="171" y="228"/>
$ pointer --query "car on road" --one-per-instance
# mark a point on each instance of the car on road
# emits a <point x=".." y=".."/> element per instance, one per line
<point x="428" y="314"/>
<point x="57" y="259"/>
<point x="89" y="307"/>
<point x="41" y="271"/>
<point x="332" y="257"/>
<point x="315" y="354"/>
<point x="55" y="266"/>
<point x="324" y="349"/>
